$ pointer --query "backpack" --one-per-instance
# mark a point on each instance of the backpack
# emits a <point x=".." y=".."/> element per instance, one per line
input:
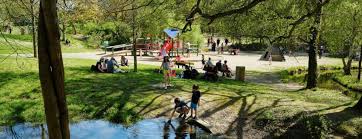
<point x="94" y="68"/>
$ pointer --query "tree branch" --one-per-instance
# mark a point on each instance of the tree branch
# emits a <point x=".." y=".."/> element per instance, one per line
<point x="197" y="10"/>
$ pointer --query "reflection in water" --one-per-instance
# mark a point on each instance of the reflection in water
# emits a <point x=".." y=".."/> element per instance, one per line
<point x="99" y="129"/>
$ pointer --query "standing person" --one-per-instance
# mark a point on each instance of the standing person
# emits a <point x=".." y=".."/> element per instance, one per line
<point x="320" y="52"/>
<point x="213" y="47"/>
<point x="166" y="68"/>
<point x="226" y="42"/>
<point x="203" y="59"/>
<point x="270" y="58"/>
<point x="188" y="45"/>
<point x="222" y="48"/>
<point x="218" y="42"/>
<point x="208" y="41"/>
<point x="10" y="29"/>
<point x="195" y="100"/>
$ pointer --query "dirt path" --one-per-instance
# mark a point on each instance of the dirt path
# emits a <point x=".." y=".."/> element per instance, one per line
<point x="271" y="79"/>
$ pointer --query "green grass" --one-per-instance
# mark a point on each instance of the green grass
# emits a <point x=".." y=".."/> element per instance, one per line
<point x="125" y="98"/>
<point x="22" y="44"/>
<point x="19" y="37"/>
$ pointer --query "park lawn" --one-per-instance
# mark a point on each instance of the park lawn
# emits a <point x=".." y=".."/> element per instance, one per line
<point x="124" y="98"/>
<point x="22" y="44"/>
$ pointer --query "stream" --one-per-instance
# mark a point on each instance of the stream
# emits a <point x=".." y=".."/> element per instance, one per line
<point x="101" y="129"/>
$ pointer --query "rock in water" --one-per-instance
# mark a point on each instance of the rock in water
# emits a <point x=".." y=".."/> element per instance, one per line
<point x="201" y="124"/>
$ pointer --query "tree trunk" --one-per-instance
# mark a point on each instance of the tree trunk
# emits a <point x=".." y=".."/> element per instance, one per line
<point x="347" y="66"/>
<point x="74" y="29"/>
<point x="313" y="45"/>
<point x="358" y="106"/>
<point x="51" y="71"/>
<point x="63" y="31"/>
<point x="33" y="26"/>
<point x="134" y="39"/>
<point x="359" y="65"/>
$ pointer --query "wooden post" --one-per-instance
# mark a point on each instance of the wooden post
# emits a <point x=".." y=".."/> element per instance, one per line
<point x="240" y="73"/>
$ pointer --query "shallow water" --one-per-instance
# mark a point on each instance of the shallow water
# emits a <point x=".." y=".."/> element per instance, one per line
<point x="100" y="129"/>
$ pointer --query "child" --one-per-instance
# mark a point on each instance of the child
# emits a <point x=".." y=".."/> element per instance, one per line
<point x="180" y="107"/>
<point x="166" y="67"/>
<point x="195" y="99"/>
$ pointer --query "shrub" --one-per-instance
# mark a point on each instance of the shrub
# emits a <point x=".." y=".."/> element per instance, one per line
<point x="316" y="126"/>
<point x="115" y="33"/>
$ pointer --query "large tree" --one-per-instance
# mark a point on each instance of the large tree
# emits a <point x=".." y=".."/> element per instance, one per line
<point x="308" y="12"/>
<point x="51" y="71"/>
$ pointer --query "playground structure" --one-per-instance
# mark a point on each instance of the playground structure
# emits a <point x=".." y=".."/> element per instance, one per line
<point x="151" y="45"/>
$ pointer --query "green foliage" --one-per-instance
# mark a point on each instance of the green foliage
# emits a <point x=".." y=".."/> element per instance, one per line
<point x="195" y="36"/>
<point x="114" y="32"/>
<point x="341" y="27"/>
<point x="316" y="126"/>
<point x="250" y="47"/>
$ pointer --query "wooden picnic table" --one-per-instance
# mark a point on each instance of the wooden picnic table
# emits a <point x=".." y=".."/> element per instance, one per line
<point x="184" y="63"/>
<point x="121" y="46"/>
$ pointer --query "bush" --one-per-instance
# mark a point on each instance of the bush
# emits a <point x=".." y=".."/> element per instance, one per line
<point x="115" y="33"/>
<point x="316" y="126"/>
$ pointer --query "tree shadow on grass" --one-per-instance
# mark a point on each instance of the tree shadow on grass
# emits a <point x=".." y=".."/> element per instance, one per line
<point x="311" y="124"/>
<point x="109" y="96"/>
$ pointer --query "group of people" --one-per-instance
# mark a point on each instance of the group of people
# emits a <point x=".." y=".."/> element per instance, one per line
<point x="105" y="65"/>
<point x="212" y="70"/>
<point x="218" y="44"/>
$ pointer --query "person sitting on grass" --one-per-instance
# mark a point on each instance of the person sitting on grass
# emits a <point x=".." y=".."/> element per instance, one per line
<point x="110" y="66"/>
<point x="180" y="107"/>
<point x="124" y="61"/>
<point x="226" y="70"/>
<point x="99" y="65"/>
<point x="104" y="64"/>
<point x="195" y="100"/>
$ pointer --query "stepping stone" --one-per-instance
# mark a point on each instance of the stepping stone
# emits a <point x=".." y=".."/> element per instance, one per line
<point x="201" y="124"/>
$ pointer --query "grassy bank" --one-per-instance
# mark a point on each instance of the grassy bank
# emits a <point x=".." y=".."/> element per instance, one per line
<point x="229" y="106"/>
<point x="22" y="44"/>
